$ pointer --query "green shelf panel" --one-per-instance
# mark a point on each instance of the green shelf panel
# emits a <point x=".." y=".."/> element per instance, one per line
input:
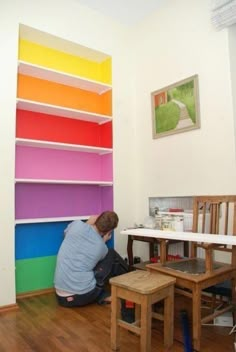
<point x="35" y="274"/>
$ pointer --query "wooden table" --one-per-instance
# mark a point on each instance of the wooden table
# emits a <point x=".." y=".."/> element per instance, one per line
<point x="188" y="284"/>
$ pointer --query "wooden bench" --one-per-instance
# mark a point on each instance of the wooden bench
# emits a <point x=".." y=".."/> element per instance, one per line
<point x="144" y="289"/>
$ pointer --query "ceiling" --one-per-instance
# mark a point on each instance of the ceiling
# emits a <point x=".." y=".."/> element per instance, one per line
<point x="128" y="12"/>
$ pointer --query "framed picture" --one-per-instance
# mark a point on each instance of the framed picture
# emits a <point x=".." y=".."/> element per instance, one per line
<point x="175" y="108"/>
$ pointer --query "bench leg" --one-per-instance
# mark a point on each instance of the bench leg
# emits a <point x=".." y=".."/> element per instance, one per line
<point x="146" y="324"/>
<point x="115" y="315"/>
<point x="169" y="318"/>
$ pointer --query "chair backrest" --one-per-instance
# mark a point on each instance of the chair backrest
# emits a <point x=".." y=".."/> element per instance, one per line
<point x="214" y="215"/>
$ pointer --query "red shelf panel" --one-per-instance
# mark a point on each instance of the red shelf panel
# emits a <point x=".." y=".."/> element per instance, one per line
<point x="34" y="125"/>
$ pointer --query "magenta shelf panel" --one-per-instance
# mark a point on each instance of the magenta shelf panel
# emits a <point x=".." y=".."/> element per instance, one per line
<point x="45" y="201"/>
<point x="44" y="163"/>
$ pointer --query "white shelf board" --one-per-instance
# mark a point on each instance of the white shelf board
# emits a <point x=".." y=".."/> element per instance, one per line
<point x="36" y="106"/>
<point x="63" y="146"/>
<point x="51" y="41"/>
<point x="41" y="72"/>
<point x="43" y="220"/>
<point x="69" y="182"/>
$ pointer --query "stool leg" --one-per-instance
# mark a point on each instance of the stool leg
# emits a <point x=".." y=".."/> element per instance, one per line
<point x="169" y="318"/>
<point x="115" y="315"/>
<point x="146" y="324"/>
<point x="137" y="314"/>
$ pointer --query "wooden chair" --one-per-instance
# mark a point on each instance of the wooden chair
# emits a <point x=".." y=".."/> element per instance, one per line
<point x="212" y="215"/>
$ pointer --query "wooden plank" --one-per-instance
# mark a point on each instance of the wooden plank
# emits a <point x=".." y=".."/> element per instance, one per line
<point x="183" y="236"/>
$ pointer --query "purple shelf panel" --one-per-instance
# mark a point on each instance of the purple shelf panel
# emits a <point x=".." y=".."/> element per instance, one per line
<point x="106" y="198"/>
<point x="45" y="163"/>
<point x="53" y="200"/>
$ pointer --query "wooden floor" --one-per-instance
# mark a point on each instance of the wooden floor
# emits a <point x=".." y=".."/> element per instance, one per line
<point x="40" y="325"/>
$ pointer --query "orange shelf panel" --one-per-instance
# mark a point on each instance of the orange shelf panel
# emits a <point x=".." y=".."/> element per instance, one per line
<point x="43" y="91"/>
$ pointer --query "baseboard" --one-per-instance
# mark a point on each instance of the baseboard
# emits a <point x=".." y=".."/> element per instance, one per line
<point x="14" y="307"/>
<point x="34" y="293"/>
<point x="9" y="308"/>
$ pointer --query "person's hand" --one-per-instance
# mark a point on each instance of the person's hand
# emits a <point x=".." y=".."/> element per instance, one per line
<point x="107" y="237"/>
<point x="91" y="220"/>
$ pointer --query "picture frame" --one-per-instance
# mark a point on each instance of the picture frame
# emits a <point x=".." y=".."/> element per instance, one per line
<point x="175" y="108"/>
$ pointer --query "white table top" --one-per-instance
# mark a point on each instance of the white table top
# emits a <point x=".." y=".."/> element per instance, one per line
<point x="183" y="236"/>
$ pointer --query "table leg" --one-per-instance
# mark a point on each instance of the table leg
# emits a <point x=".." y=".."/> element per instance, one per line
<point x="196" y="319"/>
<point x="130" y="251"/>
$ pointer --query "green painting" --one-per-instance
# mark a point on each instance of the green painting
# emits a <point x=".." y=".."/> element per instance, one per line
<point x="175" y="108"/>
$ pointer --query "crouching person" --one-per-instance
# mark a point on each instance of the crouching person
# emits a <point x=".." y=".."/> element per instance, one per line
<point x="84" y="262"/>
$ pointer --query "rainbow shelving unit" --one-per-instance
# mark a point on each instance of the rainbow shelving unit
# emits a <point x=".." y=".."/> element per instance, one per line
<point x="64" y="168"/>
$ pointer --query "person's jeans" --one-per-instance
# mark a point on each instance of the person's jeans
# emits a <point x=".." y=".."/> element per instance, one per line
<point x="80" y="300"/>
<point x="112" y="265"/>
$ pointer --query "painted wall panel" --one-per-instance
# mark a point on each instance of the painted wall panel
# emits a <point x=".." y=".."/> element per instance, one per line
<point x="106" y="167"/>
<point x="62" y="61"/>
<point x="38" y="240"/>
<point x="106" y="135"/>
<point x="106" y="198"/>
<point x="32" y="125"/>
<point x="43" y="163"/>
<point x="36" y="248"/>
<point x="110" y="243"/>
<point x="48" y="92"/>
<point x="35" y="274"/>
<point x="53" y="200"/>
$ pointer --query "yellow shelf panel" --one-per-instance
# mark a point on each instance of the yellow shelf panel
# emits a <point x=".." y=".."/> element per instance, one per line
<point x="64" y="62"/>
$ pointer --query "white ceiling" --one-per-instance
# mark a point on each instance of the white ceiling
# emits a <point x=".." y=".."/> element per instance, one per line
<point x="127" y="12"/>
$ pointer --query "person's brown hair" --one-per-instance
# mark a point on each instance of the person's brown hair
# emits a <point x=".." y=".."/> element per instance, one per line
<point x="106" y="221"/>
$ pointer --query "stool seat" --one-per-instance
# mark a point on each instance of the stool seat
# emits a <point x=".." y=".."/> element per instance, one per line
<point x="144" y="289"/>
<point x="143" y="282"/>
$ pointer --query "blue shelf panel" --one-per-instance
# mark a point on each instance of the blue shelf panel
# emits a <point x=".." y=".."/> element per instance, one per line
<point x="41" y="239"/>
<point x="38" y="240"/>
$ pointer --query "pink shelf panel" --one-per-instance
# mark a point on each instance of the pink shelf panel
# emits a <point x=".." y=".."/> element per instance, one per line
<point x="44" y="163"/>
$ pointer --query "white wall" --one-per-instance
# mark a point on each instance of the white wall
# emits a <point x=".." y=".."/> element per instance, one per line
<point x="175" y="43"/>
<point x="8" y="38"/>
<point x="232" y="56"/>
<point x="69" y="20"/>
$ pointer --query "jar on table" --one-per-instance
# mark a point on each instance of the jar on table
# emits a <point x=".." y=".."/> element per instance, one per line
<point x="158" y="221"/>
<point x="179" y="223"/>
<point x="167" y="223"/>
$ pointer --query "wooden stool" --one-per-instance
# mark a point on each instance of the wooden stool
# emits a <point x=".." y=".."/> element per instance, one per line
<point x="144" y="289"/>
